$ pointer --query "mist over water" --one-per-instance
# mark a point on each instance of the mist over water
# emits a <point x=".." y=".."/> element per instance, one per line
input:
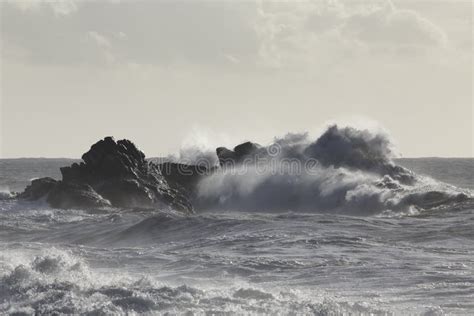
<point x="325" y="226"/>
<point x="344" y="171"/>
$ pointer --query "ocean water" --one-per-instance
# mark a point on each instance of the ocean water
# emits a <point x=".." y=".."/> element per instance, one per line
<point x="224" y="262"/>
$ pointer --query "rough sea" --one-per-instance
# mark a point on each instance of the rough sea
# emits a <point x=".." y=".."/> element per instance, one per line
<point x="225" y="262"/>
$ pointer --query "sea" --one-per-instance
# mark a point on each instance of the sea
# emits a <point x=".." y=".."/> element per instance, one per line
<point x="228" y="262"/>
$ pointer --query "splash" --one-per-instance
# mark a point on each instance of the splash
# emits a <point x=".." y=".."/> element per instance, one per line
<point x="345" y="170"/>
<point x="59" y="282"/>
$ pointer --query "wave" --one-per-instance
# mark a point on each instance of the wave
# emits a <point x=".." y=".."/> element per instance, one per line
<point x="5" y="193"/>
<point x="59" y="282"/>
<point x="345" y="171"/>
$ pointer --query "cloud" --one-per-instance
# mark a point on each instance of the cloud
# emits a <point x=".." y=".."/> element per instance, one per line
<point x="121" y="35"/>
<point x="324" y="32"/>
<point x="392" y="26"/>
<point x="309" y="35"/>
<point x="144" y="32"/>
<point x="232" y="58"/>
<point x="104" y="45"/>
<point x="62" y="7"/>
<point x="99" y="39"/>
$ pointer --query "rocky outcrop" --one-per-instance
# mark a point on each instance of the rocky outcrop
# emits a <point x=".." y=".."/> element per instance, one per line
<point x="38" y="188"/>
<point x="183" y="176"/>
<point x="75" y="195"/>
<point x="111" y="174"/>
<point x="247" y="150"/>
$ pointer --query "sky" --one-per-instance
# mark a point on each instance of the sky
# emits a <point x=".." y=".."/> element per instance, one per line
<point x="168" y="74"/>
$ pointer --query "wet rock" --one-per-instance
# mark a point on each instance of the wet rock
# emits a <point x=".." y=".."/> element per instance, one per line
<point x="112" y="173"/>
<point x="75" y="195"/>
<point x="108" y="159"/>
<point x="185" y="176"/>
<point x="225" y="156"/>
<point x="127" y="193"/>
<point x="247" y="150"/>
<point x="38" y="188"/>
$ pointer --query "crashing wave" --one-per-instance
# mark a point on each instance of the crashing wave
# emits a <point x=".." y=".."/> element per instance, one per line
<point x="6" y="195"/>
<point x="345" y="170"/>
<point x="59" y="282"/>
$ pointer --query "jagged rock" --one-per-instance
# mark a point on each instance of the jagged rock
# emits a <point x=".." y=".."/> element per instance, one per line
<point x="182" y="175"/>
<point x="108" y="159"/>
<point x="75" y="195"/>
<point x="38" y="188"/>
<point x="127" y="193"/>
<point x="225" y="156"/>
<point x="184" y="178"/>
<point x="112" y="173"/>
<point x="246" y="149"/>
<point x="239" y="154"/>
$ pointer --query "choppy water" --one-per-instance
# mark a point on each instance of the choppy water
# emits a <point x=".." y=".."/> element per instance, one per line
<point x="118" y="262"/>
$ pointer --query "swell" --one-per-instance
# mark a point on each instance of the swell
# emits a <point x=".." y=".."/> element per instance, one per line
<point x="218" y="230"/>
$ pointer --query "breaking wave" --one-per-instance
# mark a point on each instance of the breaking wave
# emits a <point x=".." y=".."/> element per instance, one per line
<point x="345" y="170"/>
<point x="59" y="282"/>
<point x="5" y="193"/>
<point x="286" y="249"/>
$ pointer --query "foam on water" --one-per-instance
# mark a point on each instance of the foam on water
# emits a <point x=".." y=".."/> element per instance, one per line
<point x="345" y="171"/>
<point x="355" y="235"/>
<point x="59" y="282"/>
<point x="242" y="263"/>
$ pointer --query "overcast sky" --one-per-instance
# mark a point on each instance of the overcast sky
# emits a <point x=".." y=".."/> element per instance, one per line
<point x="164" y="74"/>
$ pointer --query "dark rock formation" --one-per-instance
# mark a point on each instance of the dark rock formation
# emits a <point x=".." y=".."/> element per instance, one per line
<point x="225" y="156"/>
<point x="111" y="174"/>
<point x="38" y="188"/>
<point x="183" y="176"/>
<point x="108" y="159"/>
<point x="75" y="195"/>
<point x="247" y="150"/>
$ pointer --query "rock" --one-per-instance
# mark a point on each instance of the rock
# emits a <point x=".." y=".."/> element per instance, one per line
<point x="127" y="193"/>
<point x="75" y="195"/>
<point x="247" y="150"/>
<point x="182" y="175"/>
<point x="112" y="173"/>
<point x="184" y="178"/>
<point x="38" y="188"/>
<point x="226" y="157"/>
<point x="108" y="159"/>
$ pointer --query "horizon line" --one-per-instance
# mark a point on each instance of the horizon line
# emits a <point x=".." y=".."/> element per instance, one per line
<point x="158" y="157"/>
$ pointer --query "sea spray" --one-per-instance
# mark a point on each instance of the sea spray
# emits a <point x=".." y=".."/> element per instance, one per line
<point x="345" y="170"/>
